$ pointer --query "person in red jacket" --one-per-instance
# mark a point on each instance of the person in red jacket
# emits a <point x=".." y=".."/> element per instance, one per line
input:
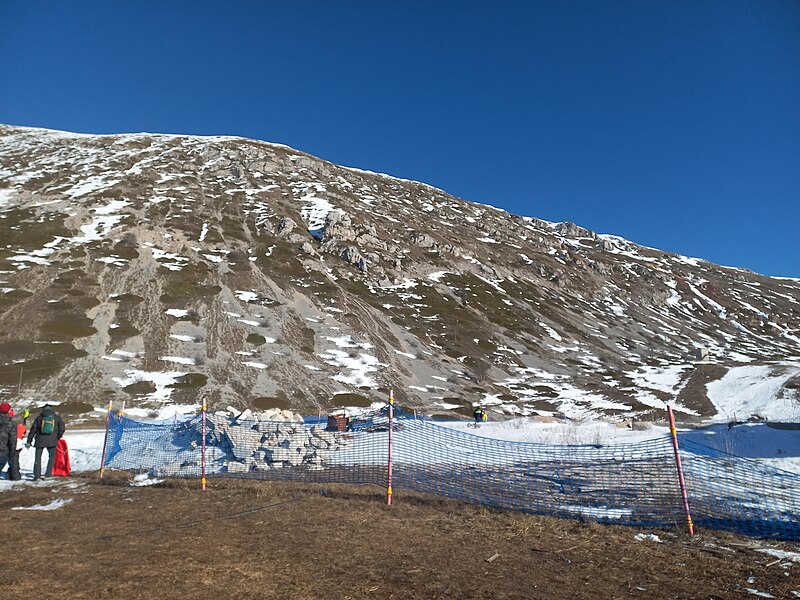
<point x="8" y="436"/>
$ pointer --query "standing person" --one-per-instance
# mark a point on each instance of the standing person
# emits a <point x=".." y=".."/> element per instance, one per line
<point x="14" y="473"/>
<point x="45" y="432"/>
<point x="8" y="436"/>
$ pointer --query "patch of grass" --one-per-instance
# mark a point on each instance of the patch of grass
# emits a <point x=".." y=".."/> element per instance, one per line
<point x="267" y="402"/>
<point x="351" y="400"/>
<point x="256" y="339"/>
<point x="190" y="380"/>
<point x="233" y="228"/>
<point x="35" y="361"/>
<point x="15" y="349"/>
<point x="129" y="299"/>
<point x="282" y="264"/>
<point x="140" y="388"/>
<point x="23" y="228"/>
<point x="76" y="279"/>
<point x="14" y="296"/>
<point x="239" y="262"/>
<point x="74" y="408"/>
<point x="185" y="285"/>
<point x="308" y="340"/>
<point x="299" y="335"/>
<point x="67" y="328"/>
<point x="547" y="391"/>
<point x="123" y="332"/>
<point x="77" y="301"/>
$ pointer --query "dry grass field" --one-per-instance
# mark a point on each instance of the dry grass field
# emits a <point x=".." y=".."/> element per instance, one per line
<point x="256" y="540"/>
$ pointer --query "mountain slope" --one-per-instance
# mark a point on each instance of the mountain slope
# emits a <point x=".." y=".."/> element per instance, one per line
<point x="156" y="267"/>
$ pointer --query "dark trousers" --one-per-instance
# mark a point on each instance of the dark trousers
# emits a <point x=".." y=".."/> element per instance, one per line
<point x="37" y="462"/>
<point x="3" y="461"/>
<point x="13" y="467"/>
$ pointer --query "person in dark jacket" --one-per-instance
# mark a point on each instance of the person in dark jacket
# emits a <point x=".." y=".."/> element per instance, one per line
<point x="8" y="435"/>
<point x="14" y="473"/>
<point x="45" y="432"/>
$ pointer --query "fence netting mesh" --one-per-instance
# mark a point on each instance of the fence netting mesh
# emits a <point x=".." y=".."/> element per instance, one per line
<point x="634" y="484"/>
<point x="743" y="495"/>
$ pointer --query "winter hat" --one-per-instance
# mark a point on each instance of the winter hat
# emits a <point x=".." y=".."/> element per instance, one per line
<point x="5" y="407"/>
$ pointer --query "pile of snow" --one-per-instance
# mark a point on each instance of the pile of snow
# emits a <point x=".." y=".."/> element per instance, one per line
<point x="755" y="390"/>
<point x="54" y="505"/>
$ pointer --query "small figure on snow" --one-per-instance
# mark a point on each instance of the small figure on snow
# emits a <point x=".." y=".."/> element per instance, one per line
<point x="46" y="431"/>
<point x="480" y="415"/>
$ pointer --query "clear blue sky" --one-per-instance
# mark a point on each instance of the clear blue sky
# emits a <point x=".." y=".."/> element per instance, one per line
<point x="675" y="124"/>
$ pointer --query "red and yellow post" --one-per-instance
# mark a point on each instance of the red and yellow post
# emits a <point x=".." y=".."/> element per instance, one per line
<point x="389" y="471"/>
<point x="674" y="433"/>
<point x="203" y="447"/>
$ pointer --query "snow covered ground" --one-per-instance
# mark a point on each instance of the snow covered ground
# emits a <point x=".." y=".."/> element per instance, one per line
<point x="779" y="448"/>
<point x="85" y="452"/>
<point x="743" y="392"/>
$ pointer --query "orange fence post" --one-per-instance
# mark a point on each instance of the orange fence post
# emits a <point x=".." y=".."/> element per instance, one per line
<point x="674" y="433"/>
<point x="389" y="473"/>
<point x="105" y="440"/>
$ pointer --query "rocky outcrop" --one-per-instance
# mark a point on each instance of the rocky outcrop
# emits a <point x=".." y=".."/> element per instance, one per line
<point x="270" y="440"/>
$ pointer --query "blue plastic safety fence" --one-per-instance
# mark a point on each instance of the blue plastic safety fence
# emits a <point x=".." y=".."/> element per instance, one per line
<point x="634" y="484"/>
<point x="742" y="495"/>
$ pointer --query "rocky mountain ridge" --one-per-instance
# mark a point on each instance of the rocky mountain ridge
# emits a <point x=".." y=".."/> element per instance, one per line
<point x="155" y="268"/>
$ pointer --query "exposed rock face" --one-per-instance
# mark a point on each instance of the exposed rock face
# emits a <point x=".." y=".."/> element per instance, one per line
<point x="156" y="268"/>
<point x="338" y="226"/>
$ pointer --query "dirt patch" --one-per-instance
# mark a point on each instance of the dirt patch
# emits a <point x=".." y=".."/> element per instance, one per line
<point x="248" y="540"/>
<point x="695" y="395"/>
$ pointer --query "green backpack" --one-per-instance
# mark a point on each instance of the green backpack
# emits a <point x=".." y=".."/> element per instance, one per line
<point x="48" y="425"/>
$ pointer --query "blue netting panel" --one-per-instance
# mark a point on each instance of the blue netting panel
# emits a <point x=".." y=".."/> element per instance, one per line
<point x="737" y="494"/>
<point x="169" y="448"/>
<point x="631" y="483"/>
<point x="271" y="450"/>
<point x="634" y="484"/>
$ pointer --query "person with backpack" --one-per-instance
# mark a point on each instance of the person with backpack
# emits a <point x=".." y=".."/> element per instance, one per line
<point x="480" y="415"/>
<point x="45" y="432"/>
<point x="8" y="436"/>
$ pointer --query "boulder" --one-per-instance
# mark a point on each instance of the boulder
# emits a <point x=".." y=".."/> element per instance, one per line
<point x="233" y="466"/>
<point x="278" y="455"/>
<point x="319" y="443"/>
<point x="423" y="240"/>
<point x="247" y="415"/>
<point x="295" y="459"/>
<point x="285" y="226"/>
<point x="244" y="441"/>
<point x="338" y="226"/>
<point x="320" y="433"/>
<point x="270" y="414"/>
<point x="290" y="416"/>
<point x="307" y="248"/>
<point x="607" y="245"/>
<point x="268" y="427"/>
